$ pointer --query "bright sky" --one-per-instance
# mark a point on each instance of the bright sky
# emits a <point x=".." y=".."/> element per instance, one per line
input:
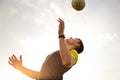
<point x="29" y="27"/>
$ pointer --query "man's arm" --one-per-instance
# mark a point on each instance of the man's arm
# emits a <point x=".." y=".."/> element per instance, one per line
<point x="66" y="57"/>
<point x="18" y="65"/>
<point x="30" y="73"/>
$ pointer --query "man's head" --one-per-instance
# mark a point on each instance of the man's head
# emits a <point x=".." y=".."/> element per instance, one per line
<point x="75" y="43"/>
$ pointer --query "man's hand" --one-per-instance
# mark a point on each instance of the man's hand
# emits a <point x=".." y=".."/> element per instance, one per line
<point x="18" y="65"/>
<point x="61" y="26"/>
<point x="15" y="62"/>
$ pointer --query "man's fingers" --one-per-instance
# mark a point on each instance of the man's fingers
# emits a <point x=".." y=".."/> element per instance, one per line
<point x="14" y="57"/>
<point x="60" y="20"/>
<point x="10" y="59"/>
<point x="9" y="62"/>
<point x="20" y="58"/>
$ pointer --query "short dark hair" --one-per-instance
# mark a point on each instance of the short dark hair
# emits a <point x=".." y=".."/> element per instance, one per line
<point x="80" y="48"/>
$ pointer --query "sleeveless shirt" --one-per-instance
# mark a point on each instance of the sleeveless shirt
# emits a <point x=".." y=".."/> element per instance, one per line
<point x="52" y="68"/>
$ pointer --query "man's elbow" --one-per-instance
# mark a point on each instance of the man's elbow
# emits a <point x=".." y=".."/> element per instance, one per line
<point x="36" y="75"/>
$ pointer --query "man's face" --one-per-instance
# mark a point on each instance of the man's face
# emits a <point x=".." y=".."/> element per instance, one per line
<point x="73" y="41"/>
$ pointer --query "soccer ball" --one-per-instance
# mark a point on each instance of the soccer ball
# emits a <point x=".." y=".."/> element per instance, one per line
<point x="78" y="4"/>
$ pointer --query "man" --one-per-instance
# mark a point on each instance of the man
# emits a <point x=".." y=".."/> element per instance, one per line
<point x="57" y="63"/>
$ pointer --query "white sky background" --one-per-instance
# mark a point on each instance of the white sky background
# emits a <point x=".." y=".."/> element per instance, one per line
<point x="29" y="27"/>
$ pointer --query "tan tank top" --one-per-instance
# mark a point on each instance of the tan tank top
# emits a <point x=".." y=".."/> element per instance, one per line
<point x="52" y="68"/>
